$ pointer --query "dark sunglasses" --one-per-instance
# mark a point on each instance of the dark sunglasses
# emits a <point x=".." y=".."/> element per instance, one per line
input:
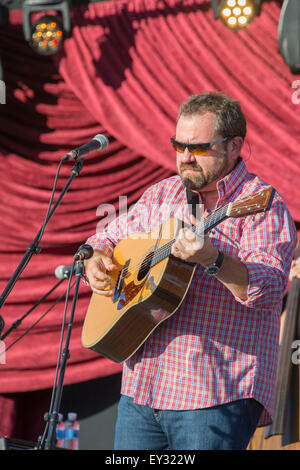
<point x="195" y="149"/>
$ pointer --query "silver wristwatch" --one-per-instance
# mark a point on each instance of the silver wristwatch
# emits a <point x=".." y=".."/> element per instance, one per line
<point x="213" y="268"/>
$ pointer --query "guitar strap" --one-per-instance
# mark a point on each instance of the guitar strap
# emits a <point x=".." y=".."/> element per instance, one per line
<point x="193" y="201"/>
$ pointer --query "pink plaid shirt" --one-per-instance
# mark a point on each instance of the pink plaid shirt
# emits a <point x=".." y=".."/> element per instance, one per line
<point x="215" y="348"/>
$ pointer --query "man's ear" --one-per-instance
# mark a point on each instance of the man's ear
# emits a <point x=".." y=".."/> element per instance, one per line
<point x="234" y="147"/>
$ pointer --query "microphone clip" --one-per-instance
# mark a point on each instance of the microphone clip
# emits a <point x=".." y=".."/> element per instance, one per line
<point x="77" y="166"/>
<point x="84" y="252"/>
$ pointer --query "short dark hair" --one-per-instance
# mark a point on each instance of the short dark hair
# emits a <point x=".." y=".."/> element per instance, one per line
<point x="231" y="121"/>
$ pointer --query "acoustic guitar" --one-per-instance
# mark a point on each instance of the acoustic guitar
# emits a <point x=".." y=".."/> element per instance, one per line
<point x="150" y="284"/>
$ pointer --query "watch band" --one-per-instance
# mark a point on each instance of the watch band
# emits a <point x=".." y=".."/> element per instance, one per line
<point x="215" y="267"/>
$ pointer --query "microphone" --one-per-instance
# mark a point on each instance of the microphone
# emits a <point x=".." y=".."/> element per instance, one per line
<point x="84" y="252"/>
<point x="99" y="142"/>
<point x="63" y="272"/>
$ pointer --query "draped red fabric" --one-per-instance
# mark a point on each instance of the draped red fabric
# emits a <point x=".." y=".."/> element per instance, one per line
<point x="123" y="72"/>
<point x="149" y="56"/>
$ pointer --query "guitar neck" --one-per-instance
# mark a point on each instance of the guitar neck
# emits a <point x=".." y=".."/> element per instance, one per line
<point x="205" y="225"/>
<point x="211" y="221"/>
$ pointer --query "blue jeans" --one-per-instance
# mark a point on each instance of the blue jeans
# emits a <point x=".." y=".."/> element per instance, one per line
<point x="227" y="427"/>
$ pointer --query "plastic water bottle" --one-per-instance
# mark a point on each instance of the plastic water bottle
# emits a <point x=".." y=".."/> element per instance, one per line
<point x="71" y="434"/>
<point x="60" y="431"/>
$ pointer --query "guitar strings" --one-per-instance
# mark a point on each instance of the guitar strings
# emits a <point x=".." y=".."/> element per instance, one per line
<point x="164" y="251"/>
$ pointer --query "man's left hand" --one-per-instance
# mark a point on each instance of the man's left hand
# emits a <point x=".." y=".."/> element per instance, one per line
<point x="193" y="248"/>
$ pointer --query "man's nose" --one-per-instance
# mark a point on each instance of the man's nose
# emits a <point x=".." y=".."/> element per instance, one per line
<point x="187" y="156"/>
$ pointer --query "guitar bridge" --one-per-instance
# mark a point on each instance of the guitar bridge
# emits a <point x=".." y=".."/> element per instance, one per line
<point x="120" y="282"/>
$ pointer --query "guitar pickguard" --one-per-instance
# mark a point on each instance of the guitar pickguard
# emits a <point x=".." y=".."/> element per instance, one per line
<point x="129" y="292"/>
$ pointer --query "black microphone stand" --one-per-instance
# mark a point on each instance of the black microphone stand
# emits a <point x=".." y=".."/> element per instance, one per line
<point x="48" y="440"/>
<point x="34" y="248"/>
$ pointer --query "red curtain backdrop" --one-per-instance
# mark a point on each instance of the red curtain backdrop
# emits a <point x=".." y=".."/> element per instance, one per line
<point x="123" y="73"/>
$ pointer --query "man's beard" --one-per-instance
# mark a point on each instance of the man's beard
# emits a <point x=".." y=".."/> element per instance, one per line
<point x="198" y="180"/>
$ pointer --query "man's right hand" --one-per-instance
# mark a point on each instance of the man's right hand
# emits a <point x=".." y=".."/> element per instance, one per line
<point x="96" y="271"/>
<point x="295" y="269"/>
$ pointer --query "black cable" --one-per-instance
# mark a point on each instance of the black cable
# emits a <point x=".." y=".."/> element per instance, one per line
<point x="37" y="321"/>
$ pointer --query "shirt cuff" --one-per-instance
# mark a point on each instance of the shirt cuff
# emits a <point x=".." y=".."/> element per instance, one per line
<point x="105" y="246"/>
<point x="264" y="287"/>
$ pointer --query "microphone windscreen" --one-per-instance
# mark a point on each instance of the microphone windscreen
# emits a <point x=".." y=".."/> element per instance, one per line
<point x="103" y="141"/>
<point x="61" y="272"/>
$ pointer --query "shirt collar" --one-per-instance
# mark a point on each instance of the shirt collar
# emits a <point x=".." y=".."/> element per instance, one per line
<point x="229" y="184"/>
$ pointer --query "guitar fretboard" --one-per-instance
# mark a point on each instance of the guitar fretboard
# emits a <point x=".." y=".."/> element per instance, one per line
<point x="203" y="227"/>
<point x="212" y="220"/>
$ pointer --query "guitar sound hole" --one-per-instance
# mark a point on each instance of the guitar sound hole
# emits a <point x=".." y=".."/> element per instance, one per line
<point x="145" y="267"/>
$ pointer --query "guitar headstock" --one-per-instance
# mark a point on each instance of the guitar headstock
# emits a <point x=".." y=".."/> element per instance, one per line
<point x="257" y="202"/>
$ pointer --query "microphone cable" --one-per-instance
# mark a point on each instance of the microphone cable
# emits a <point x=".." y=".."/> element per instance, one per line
<point x="18" y="322"/>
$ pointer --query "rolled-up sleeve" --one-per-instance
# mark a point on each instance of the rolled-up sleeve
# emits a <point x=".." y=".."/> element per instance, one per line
<point x="267" y="247"/>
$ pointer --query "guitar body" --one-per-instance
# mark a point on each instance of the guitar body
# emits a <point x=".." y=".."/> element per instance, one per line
<point x="144" y="296"/>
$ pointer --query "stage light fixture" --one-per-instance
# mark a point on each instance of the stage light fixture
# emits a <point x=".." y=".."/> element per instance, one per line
<point x="48" y="32"/>
<point x="289" y="34"/>
<point x="4" y="19"/>
<point x="46" y="35"/>
<point x="236" y="14"/>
